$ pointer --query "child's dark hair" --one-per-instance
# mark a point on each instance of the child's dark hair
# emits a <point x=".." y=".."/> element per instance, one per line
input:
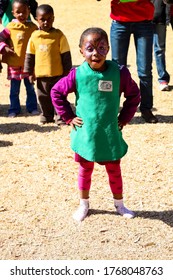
<point x="24" y="2"/>
<point x="45" y="8"/>
<point x="93" y="30"/>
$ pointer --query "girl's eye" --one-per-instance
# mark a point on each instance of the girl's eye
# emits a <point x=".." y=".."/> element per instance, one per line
<point x="89" y="49"/>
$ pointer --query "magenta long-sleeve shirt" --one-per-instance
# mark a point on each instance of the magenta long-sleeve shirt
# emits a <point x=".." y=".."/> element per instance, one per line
<point x="67" y="85"/>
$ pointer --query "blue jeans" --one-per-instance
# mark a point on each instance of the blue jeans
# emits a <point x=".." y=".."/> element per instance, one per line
<point x="31" y="100"/>
<point x="143" y="37"/>
<point x="159" y="52"/>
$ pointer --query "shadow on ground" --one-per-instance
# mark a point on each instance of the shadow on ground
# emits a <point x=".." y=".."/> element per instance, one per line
<point x="10" y="128"/>
<point x="164" y="216"/>
<point x="5" y="143"/>
<point x="161" y="119"/>
<point x="4" y="111"/>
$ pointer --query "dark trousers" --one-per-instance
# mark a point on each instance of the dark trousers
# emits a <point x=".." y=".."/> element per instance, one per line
<point x="143" y="36"/>
<point x="31" y="100"/>
<point x="44" y="86"/>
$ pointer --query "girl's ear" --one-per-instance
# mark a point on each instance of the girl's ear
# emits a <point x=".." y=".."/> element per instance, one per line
<point x="81" y="51"/>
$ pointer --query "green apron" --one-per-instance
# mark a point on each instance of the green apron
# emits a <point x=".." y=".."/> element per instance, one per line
<point x="97" y="103"/>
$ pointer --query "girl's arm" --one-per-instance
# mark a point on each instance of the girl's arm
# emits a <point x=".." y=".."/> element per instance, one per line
<point x="131" y="94"/>
<point x="5" y="49"/>
<point x="4" y="35"/>
<point x="59" y="93"/>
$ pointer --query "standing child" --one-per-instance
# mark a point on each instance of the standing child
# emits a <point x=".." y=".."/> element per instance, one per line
<point x="6" y="14"/>
<point x="48" y="58"/>
<point x="17" y="33"/>
<point x="96" y="135"/>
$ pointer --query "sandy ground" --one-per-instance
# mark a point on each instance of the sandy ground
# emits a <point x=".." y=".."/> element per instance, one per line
<point x="38" y="177"/>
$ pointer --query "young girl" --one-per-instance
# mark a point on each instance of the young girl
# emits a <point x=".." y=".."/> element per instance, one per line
<point x="13" y="43"/>
<point x="96" y="135"/>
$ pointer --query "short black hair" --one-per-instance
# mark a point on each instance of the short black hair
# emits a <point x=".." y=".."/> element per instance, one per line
<point x="24" y="2"/>
<point x="45" y="8"/>
<point x="92" y="30"/>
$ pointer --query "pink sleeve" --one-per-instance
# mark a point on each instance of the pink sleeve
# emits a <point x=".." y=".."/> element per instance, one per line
<point x="131" y="94"/>
<point x="5" y="34"/>
<point x="59" y="94"/>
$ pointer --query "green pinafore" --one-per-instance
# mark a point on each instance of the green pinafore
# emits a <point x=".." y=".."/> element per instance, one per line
<point x="97" y="103"/>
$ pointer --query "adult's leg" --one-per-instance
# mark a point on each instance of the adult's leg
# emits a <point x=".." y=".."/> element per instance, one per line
<point x="120" y="39"/>
<point x="143" y="36"/>
<point x="159" y="43"/>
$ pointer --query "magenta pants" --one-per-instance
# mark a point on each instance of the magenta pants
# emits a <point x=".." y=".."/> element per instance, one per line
<point x="114" y="174"/>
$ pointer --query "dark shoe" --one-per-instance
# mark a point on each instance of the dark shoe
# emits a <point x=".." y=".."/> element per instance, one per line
<point x="148" y="116"/>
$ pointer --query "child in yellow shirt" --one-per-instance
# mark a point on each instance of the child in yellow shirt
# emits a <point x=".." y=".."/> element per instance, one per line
<point x="13" y="43"/>
<point x="48" y="59"/>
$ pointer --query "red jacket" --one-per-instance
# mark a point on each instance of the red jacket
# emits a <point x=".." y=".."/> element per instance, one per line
<point x="132" y="10"/>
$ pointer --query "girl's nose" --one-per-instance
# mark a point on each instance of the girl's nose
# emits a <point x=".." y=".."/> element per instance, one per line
<point x="95" y="51"/>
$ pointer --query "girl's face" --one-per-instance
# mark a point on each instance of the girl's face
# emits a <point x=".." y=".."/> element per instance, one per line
<point x="94" y="49"/>
<point x="45" y="20"/>
<point x="20" y="12"/>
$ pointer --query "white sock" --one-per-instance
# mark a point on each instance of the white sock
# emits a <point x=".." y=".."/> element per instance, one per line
<point x="122" y="210"/>
<point x="82" y="210"/>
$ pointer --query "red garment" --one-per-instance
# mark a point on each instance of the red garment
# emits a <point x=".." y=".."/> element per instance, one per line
<point x="171" y="11"/>
<point x="113" y="170"/>
<point x="139" y="10"/>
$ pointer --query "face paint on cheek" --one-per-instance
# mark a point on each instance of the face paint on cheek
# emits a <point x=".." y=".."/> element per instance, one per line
<point x="102" y="48"/>
<point x="89" y="49"/>
<point x="87" y="53"/>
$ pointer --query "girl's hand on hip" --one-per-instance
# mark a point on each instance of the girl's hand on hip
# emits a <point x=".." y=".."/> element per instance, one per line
<point x="76" y="122"/>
